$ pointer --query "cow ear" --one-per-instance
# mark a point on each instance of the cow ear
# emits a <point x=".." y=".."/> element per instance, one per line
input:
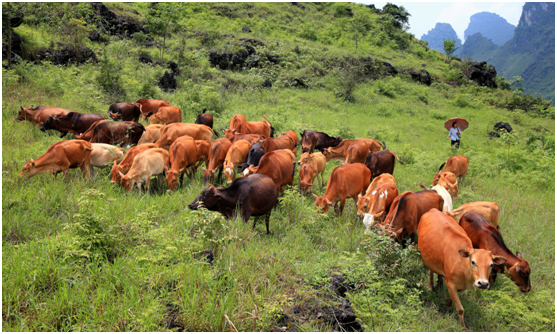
<point x="464" y="253"/>
<point x="223" y="130"/>
<point x="121" y="175"/>
<point x="359" y="196"/>
<point x="181" y="170"/>
<point x="32" y="162"/>
<point x="518" y="255"/>
<point x="499" y="260"/>
<point x="216" y="169"/>
<point x="203" y="168"/>
<point x="316" y="197"/>
<point x="330" y="204"/>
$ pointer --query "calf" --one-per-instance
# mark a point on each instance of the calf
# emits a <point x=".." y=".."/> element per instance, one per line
<point x="318" y="140"/>
<point x="457" y="164"/>
<point x="217" y="154"/>
<point x="114" y="133"/>
<point x="124" y="166"/>
<point x="345" y="181"/>
<point x="379" y="204"/>
<point x="364" y="201"/>
<point x="146" y="106"/>
<point x="60" y="157"/>
<point x="489" y="210"/>
<point x="255" y="195"/>
<point x="165" y="115"/>
<point x="72" y="122"/>
<point x="182" y="155"/>
<point x="125" y="111"/>
<point x="381" y="162"/>
<point x="173" y="131"/>
<point x="237" y="155"/>
<point x="318" y="163"/>
<point x="152" y="162"/>
<point x="40" y="114"/>
<point x="151" y="134"/>
<point x="279" y="165"/>
<point x="447" y="251"/>
<point x="103" y="154"/>
<point x="485" y="236"/>
<point x="87" y="135"/>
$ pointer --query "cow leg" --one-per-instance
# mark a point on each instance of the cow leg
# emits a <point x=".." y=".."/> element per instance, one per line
<point x="341" y="208"/>
<point x="453" y="292"/>
<point x="85" y="169"/>
<point x="147" y="183"/>
<point x="413" y="238"/>
<point x="246" y="214"/>
<point x="430" y="285"/>
<point x="267" y="218"/>
<point x="63" y="134"/>
<point x="182" y="178"/>
<point x="67" y="173"/>
<point x="138" y="184"/>
<point x="161" y="181"/>
<point x="355" y="199"/>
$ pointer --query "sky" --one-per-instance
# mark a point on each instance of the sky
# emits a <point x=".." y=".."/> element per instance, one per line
<point x="426" y="14"/>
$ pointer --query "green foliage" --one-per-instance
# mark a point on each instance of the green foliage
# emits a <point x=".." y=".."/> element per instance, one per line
<point x="449" y="46"/>
<point x="109" y="79"/>
<point x="75" y="32"/>
<point x="210" y="226"/>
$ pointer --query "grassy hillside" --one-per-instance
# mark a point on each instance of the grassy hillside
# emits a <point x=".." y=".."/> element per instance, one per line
<point x="83" y="255"/>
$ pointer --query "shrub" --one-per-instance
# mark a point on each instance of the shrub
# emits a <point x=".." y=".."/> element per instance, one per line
<point x="385" y="88"/>
<point x="345" y="132"/>
<point x="463" y="101"/>
<point x="74" y="33"/>
<point x="109" y="79"/>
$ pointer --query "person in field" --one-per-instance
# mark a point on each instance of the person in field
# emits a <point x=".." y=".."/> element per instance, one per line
<point x="454" y="134"/>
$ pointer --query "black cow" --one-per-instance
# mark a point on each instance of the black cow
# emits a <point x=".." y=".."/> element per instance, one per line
<point x="114" y="133"/>
<point x="254" y="156"/>
<point x="124" y="111"/>
<point x="317" y="140"/>
<point x="255" y="194"/>
<point x="381" y="162"/>
<point x="72" y="122"/>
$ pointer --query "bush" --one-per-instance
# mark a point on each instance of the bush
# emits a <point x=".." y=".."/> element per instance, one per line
<point x="385" y="88"/>
<point x="463" y="101"/>
<point x="109" y="79"/>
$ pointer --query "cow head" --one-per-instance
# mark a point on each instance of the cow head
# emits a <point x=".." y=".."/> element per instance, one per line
<point x="328" y="154"/>
<point x="437" y="175"/>
<point x="48" y="124"/>
<point x="520" y="274"/>
<point x="208" y="198"/>
<point x="115" y="171"/>
<point x="337" y="141"/>
<point x="251" y="169"/>
<point x="23" y="114"/>
<point x="363" y="205"/>
<point x="172" y="178"/>
<point x="323" y="203"/>
<point x="306" y="179"/>
<point x="127" y="181"/>
<point x="481" y="263"/>
<point x="229" y="172"/>
<point x="209" y="174"/>
<point x="29" y="169"/>
<point x="229" y="133"/>
<point x="304" y="158"/>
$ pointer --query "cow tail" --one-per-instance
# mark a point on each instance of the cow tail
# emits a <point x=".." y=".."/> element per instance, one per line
<point x="215" y="133"/>
<point x="267" y="120"/>
<point x="422" y="186"/>
<point x="384" y="145"/>
<point x="400" y="162"/>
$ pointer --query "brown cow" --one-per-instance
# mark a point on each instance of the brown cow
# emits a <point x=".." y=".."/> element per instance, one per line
<point x="339" y="152"/>
<point x="307" y="176"/>
<point x="345" y="181"/>
<point x="253" y="139"/>
<point x="206" y="119"/>
<point x="485" y="236"/>
<point x="87" y="135"/>
<point x="236" y="120"/>
<point x="410" y="208"/>
<point x="318" y="163"/>
<point x="72" y="122"/>
<point x="356" y="153"/>
<point x="172" y="131"/>
<point x="152" y="162"/>
<point x="363" y="201"/>
<point x="489" y="210"/>
<point x="260" y="127"/>
<point x="447" y="251"/>
<point x="151" y="134"/>
<point x="458" y="165"/>
<point x="40" y="114"/>
<point x="114" y="133"/>
<point x="182" y="154"/>
<point x="60" y="157"/>
<point x="203" y="150"/>
<point x="217" y="154"/>
<point x="321" y="141"/>
<point x="279" y="165"/>
<point x="281" y="142"/>
<point x="236" y="155"/>
<point x="449" y="182"/>
<point x="147" y="106"/>
<point x="165" y="115"/>
<point x="126" y="163"/>
<point x="125" y="111"/>
<point x="379" y="204"/>
<point x="381" y="162"/>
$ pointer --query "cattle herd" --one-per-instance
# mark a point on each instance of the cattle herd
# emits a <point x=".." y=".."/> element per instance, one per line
<point x="462" y="245"/>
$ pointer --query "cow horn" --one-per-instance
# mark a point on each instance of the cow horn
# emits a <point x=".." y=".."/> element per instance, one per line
<point x="203" y="168"/>
<point x="121" y="175"/>
<point x="518" y="255"/>
<point x="316" y="197"/>
<point x="443" y="165"/>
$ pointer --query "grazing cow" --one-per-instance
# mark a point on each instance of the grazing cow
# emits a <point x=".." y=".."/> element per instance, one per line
<point x="146" y="106"/>
<point x="381" y="162"/>
<point x="457" y="164"/>
<point x="114" y="133"/>
<point x="356" y="152"/>
<point x="125" y="111"/>
<point x="318" y="163"/>
<point x="281" y="142"/>
<point x="87" y="135"/>
<point x="165" y="115"/>
<point x="203" y="149"/>
<point x="447" y="251"/>
<point x="449" y="182"/>
<point x="103" y="154"/>
<point x="411" y="206"/>
<point x="256" y="195"/>
<point x="253" y="139"/>
<point x="339" y="152"/>
<point x="152" y="162"/>
<point x="236" y="120"/>
<point x="307" y="176"/>
<point x="205" y="119"/>
<point x="345" y="181"/>
<point x="151" y="134"/>
<point x="364" y="201"/>
<point x="485" y="236"/>
<point x="237" y="155"/>
<point x="72" y="122"/>
<point x="126" y="163"/>
<point x="217" y="154"/>
<point x="40" y="114"/>
<point x="442" y="191"/>
<point x="292" y="136"/>
<point x="379" y="204"/>
<point x="279" y="165"/>
<point x="489" y="210"/>
<point x="60" y="157"/>
<point x="244" y="128"/>
<point x="172" y="131"/>
<point x="182" y="155"/>
<point x="254" y="156"/>
<point x="321" y="141"/>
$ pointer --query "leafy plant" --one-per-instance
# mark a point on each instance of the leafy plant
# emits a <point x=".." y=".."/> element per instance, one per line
<point x="449" y="45"/>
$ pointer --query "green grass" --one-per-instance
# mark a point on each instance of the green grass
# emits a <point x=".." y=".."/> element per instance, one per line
<point x="145" y="268"/>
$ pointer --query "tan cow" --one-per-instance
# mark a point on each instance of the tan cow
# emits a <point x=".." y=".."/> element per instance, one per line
<point x="166" y="115"/>
<point x="173" y="131"/>
<point x="40" y="114"/>
<point x="448" y="181"/>
<point x="379" y="204"/>
<point x="447" y="251"/>
<point x="182" y="154"/>
<point x="318" y="163"/>
<point x="457" y="164"/>
<point x="151" y="134"/>
<point x="152" y="162"/>
<point x="236" y="155"/>
<point x="60" y="157"/>
<point x="103" y="154"/>
<point x="364" y="201"/>
<point x="126" y="163"/>
<point x="489" y="210"/>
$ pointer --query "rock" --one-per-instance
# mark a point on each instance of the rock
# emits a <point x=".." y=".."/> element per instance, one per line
<point x="146" y="59"/>
<point x="17" y="49"/>
<point x="298" y="83"/>
<point x="342" y="318"/>
<point x="66" y="55"/>
<point x="297" y="4"/>
<point x="208" y="255"/>
<point x="174" y="68"/>
<point x="483" y="74"/>
<point x="17" y="18"/>
<point x="422" y="76"/>
<point x="494" y="134"/>
<point x="339" y="286"/>
<point x="112" y="23"/>
<point x="249" y="49"/>
<point x="246" y="29"/>
<point x="502" y="125"/>
<point x="272" y="58"/>
<point x="389" y="69"/>
<point x="251" y="41"/>
<point x="267" y="84"/>
<point x="233" y="61"/>
<point x="168" y="82"/>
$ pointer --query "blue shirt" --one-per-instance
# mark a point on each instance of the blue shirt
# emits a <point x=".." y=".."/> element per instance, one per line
<point x="452" y="133"/>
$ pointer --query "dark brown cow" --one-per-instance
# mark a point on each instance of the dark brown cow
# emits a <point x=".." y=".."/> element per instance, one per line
<point x="206" y="119"/>
<point x="381" y="162"/>
<point x="409" y="211"/>
<point x="218" y="151"/>
<point x="40" y="114"/>
<point x="256" y="195"/>
<point x="114" y="133"/>
<point x="72" y="122"/>
<point x="147" y="106"/>
<point x="483" y="235"/>
<point x="125" y="111"/>
<point x="254" y="156"/>
<point x="278" y="165"/>
<point x="321" y="141"/>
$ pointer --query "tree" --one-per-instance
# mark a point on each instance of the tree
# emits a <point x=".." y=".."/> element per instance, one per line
<point x="399" y="15"/>
<point x="449" y="45"/>
<point x="161" y="17"/>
